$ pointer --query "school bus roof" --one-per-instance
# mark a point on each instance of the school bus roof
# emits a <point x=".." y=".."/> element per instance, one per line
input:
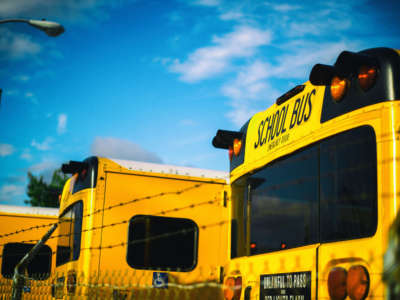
<point x="27" y="210"/>
<point x="169" y="169"/>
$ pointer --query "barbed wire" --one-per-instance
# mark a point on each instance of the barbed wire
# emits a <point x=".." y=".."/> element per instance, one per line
<point x="122" y="243"/>
<point x="190" y="206"/>
<point x="177" y="192"/>
<point x="273" y="188"/>
<point x="27" y="229"/>
<point x="305" y="157"/>
<point x="162" y="212"/>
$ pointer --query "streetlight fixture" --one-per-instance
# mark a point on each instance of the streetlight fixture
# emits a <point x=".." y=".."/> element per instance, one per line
<point x="50" y="28"/>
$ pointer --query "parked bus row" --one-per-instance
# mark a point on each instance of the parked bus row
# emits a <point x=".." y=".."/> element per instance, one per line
<point x="304" y="213"/>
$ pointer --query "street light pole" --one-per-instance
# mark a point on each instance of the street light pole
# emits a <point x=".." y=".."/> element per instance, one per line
<point x="50" y="28"/>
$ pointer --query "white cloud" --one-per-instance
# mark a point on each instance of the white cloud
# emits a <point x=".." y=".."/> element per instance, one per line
<point x="252" y="83"/>
<point x="43" y="146"/>
<point x="19" y="46"/>
<point x="31" y="96"/>
<point x="26" y="154"/>
<point x="11" y="92"/>
<point x="209" y="61"/>
<point x="163" y="60"/>
<point x="22" y="78"/>
<point x="63" y="11"/>
<point x="300" y="29"/>
<point x="45" y="168"/>
<point x="122" y="149"/>
<point x="206" y="2"/>
<point x="16" y="46"/>
<point x="9" y="192"/>
<point x="298" y="62"/>
<point x="231" y="15"/>
<point x="291" y="55"/>
<point x="249" y="83"/>
<point x="285" y="7"/>
<point x="6" y="149"/>
<point x="247" y="90"/>
<point x="241" y="111"/>
<point x="44" y="165"/>
<point x="62" y="123"/>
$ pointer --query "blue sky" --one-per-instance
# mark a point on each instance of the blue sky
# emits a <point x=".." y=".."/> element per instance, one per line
<point x="154" y="80"/>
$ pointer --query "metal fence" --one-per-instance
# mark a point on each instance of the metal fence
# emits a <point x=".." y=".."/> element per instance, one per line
<point x="121" y="285"/>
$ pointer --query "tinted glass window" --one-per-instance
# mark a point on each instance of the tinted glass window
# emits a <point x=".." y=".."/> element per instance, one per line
<point x="348" y="185"/>
<point x="162" y="243"/>
<point x="326" y="192"/>
<point x="70" y="228"/>
<point x="87" y="178"/>
<point x="284" y="203"/>
<point x="38" y="268"/>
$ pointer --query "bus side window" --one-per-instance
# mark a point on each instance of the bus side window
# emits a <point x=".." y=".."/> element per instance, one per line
<point x="39" y="268"/>
<point x="349" y="185"/>
<point x="162" y="243"/>
<point x="70" y="231"/>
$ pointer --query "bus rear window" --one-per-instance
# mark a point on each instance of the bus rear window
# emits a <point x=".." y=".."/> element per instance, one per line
<point x="323" y="193"/>
<point x="40" y="266"/>
<point x="70" y="229"/>
<point x="348" y="185"/>
<point x="284" y="203"/>
<point x="162" y="243"/>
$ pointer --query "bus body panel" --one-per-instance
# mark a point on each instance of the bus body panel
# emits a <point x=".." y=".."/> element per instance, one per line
<point x="367" y="252"/>
<point x="202" y="204"/>
<point x="123" y="193"/>
<point x="24" y="225"/>
<point x="293" y="120"/>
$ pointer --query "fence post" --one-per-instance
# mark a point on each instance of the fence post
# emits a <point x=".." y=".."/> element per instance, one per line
<point x="18" y="278"/>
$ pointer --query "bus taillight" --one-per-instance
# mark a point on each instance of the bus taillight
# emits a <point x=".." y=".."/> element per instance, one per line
<point x="233" y="288"/>
<point x="339" y="88"/>
<point x="230" y="153"/>
<point x="367" y="77"/>
<point x="357" y="283"/>
<point x="353" y="283"/>
<point x="237" y="146"/>
<point x="337" y="283"/>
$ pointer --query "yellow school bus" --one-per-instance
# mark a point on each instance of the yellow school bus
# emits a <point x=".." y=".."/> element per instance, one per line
<point x="20" y="229"/>
<point x="314" y="185"/>
<point x="134" y="229"/>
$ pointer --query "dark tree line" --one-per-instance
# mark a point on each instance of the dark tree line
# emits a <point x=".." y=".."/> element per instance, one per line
<point x="45" y="194"/>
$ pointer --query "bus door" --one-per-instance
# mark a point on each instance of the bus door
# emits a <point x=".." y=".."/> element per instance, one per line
<point x="351" y="251"/>
<point x="274" y="233"/>
<point x="160" y="232"/>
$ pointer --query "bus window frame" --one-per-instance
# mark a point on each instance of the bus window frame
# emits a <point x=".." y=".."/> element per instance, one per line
<point x="196" y="233"/>
<point x="45" y="250"/>
<point x="76" y="245"/>
<point x="374" y="206"/>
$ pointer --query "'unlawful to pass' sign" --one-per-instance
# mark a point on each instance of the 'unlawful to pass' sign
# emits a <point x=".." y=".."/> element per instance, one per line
<point x="286" y="286"/>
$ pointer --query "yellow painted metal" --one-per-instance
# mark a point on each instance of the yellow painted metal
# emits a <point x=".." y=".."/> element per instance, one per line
<point x="319" y="258"/>
<point x="28" y="228"/>
<point x="119" y="195"/>
<point x="280" y="128"/>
